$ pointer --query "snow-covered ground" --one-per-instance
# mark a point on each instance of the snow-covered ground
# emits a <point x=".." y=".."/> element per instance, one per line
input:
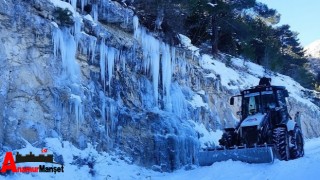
<point x="107" y="166"/>
<point x="303" y="168"/>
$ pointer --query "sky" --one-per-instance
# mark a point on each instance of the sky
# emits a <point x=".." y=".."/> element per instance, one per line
<point x="302" y="16"/>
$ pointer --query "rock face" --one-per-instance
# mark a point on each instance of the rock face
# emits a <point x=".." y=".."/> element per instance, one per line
<point x="105" y="80"/>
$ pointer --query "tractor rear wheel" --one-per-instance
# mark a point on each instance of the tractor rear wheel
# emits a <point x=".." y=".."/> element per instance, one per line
<point x="281" y="141"/>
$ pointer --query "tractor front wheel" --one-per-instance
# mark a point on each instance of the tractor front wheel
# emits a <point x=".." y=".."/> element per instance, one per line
<point x="296" y="150"/>
<point x="281" y="141"/>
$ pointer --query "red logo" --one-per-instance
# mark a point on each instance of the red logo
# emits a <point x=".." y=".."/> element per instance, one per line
<point x="9" y="163"/>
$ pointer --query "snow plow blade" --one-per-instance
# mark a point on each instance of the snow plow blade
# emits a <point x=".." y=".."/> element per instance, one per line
<point x="250" y="155"/>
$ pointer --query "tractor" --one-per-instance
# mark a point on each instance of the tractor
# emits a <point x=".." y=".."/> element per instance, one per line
<point x="265" y="129"/>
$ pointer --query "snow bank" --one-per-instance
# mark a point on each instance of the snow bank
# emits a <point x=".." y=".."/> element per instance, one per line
<point x="207" y="138"/>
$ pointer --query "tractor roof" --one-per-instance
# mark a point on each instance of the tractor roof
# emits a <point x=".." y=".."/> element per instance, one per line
<point x="263" y="88"/>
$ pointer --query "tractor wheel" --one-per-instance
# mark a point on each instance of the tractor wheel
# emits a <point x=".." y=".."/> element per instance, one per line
<point x="281" y="142"/>
<point x="297" y="141"/>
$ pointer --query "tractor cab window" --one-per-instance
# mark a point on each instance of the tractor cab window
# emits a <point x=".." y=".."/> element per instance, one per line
<point x="251" y="104"/>
<point x="267" y="100"/>
<point x="258" y="103"/>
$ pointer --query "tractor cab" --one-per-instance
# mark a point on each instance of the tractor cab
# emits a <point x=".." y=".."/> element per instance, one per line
<point x="262" y="99"/>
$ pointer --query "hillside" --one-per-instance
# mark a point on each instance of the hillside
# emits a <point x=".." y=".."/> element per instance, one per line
<point x="313" y="50"/>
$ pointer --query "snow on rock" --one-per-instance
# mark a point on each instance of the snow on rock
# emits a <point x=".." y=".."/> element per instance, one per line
<point x="186" y="42"/>
<point x="197" y="101"/>
<point x="64" y="5"/>
<point x="207" y="138"/>
<point x="229" y="76"/>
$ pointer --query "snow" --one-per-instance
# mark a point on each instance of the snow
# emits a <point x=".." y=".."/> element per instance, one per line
<point x="88" y="17"/>
<point x="197" y="101"/>
<point x="186" y="42"/>
<point x="64" y="5"/>
<point x="112" y="166"/>
<point x="229" y="75"/>
<point x="207" y="138"/>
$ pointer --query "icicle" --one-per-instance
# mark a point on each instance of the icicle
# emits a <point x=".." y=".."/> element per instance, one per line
<point x="77" y="29"/>
<point x="92" y="47"/>
<point x="77" y="109"/>
<point x="110" y="63"/>
<point x="166" y="74"/>
<point x="123" y="61"/>
<point x="179" y="103"/>
<point x="94" y="12"/>
<point x="73" y="3"/>
<point x="155" y="64"/>
<point x="65" y="43"/>
<point x="136" y="27"/>
<point x="103" y="63"/>
<point x="57" y="37"/>
<point x="151" y="54"/>
<point x="173" y="59"/>
<point x="113" y="119"/>
<point x="183" y="65"/>
<point x="83" y="3"/>
<point x="103" y="108"/>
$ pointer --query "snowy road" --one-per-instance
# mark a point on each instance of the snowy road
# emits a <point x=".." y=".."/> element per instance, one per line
<point x="112" y="167"/>
<point x="307" y="167"/>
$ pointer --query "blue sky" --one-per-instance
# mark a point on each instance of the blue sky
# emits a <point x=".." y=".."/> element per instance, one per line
<point x="302" y="16"/>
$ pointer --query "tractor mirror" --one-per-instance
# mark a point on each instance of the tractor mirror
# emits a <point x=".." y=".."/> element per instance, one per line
<point x="232" y="101"/>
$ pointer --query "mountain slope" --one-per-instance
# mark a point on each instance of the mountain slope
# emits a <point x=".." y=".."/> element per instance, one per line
<point x="313" y="50"/>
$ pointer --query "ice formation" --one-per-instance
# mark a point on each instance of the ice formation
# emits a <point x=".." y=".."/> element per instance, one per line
<point x="154" y="52"/>
<point x="64" y="43"/>
<point x="108" y="55"/>
<point x="77" y="109"/>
